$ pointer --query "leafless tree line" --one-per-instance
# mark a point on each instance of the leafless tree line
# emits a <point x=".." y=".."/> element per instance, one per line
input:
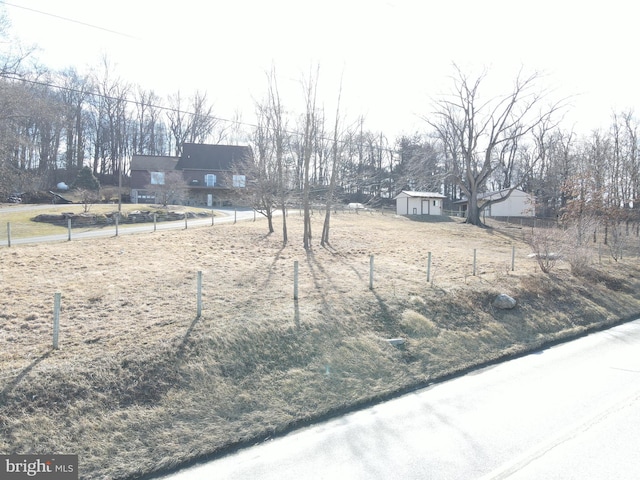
<point x="54" y="123"/>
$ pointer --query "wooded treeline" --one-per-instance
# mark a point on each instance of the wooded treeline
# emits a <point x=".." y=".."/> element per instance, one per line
<point x="54" y="123"/>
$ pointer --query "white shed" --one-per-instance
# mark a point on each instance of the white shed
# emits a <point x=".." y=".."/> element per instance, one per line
<point x="419" y="203"/>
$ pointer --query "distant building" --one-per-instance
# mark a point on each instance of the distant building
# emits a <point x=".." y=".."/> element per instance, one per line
<point x="419" y="203"/>
<point x="518" y="204"/>
<point x="212" y="173"/>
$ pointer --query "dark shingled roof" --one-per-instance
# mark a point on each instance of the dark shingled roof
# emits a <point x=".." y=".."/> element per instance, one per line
<point x="153" y="163"/>
<point x="196" y="156"/>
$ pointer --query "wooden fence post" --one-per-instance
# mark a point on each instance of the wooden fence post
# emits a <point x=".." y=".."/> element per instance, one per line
<point x="56" y="319"/>
<point x="199" y="308"/>
<point x="69" y="229"/>
<point x="474" y="262"/>
<point x="117" y="222"/>
<point x="155" y="221"/>
<point x="8" y="234"/>
<point x="295" y="280"/>
<point x="429" y="267"/>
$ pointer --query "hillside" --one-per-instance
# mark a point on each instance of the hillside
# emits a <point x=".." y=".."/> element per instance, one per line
<point x="141" y="384"/>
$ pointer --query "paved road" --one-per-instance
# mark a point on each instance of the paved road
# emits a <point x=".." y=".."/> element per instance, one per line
<point x="569" y="412"/>
<point x="229" y="215"/>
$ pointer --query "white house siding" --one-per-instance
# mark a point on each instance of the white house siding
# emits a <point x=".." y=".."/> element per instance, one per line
<point x="519" y="204"/>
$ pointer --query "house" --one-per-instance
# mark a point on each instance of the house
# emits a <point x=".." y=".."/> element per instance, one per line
<point x="148" y="170"/>
<point x="419" y="203"/>
<point x="518" y="204"/>
<point x="212" y="174"/>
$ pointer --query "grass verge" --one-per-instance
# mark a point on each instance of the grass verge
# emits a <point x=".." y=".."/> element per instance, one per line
<point x="140" y="384"/>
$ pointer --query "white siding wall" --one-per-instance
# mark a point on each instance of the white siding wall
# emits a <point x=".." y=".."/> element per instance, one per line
<point x="517" y="205"/>
<point x="406" y="205"/>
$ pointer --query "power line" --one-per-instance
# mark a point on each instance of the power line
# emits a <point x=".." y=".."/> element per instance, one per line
<point x="67" y="19"/>
<point x="171" y="109"/>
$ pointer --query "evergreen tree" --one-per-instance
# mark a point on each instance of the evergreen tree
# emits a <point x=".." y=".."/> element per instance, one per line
<point x="86" y="179"/>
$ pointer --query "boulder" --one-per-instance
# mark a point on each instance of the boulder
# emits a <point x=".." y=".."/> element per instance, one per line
<point x="504" y="302"/>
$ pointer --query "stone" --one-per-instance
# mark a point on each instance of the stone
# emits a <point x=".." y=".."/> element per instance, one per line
<point x="504" y="302"/>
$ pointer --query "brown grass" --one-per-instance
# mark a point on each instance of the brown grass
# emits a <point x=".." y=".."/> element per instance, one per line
<point x="140" y="384"/>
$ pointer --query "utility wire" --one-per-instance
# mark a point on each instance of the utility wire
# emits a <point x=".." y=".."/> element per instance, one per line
<point x="67" y="19"/>
<point x="171" y="109"/>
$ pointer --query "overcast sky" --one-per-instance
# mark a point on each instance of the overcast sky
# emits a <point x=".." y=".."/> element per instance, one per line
<point x="394" y="55"/>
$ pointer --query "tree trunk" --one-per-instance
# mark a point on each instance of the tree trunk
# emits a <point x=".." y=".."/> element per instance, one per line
<point x="284" y="224"/>
<point x="473" y="210"/>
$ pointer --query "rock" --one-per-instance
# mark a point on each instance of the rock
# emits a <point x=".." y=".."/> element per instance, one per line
<point x="504" y="302"/>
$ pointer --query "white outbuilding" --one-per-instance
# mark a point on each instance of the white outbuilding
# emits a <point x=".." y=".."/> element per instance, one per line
<point x="419" y="203"/>
<point x="515" y="204"/>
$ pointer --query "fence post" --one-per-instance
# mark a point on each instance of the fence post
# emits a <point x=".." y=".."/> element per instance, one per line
<point x="474" y="262"/>
<point x="429" y="267"/>
<point x="513" y="258"/>
<point x="8" y="234"/>
<point x="370" y="272"/>
<point x="212" y="217"/>
<point x="56" y="319"/>
<point x="69" y="229"/>
<point x="185" y="221"/>
<point x="155" y="221"/>
<point x="235" y="215"/>
<point x="117" y="215"/>
<point x="199" y="310"/>
<point x="295" y="280"/>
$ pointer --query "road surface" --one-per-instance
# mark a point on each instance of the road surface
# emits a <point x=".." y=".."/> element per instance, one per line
<point x="229" y="215"/>
<point x="568" y="412"/>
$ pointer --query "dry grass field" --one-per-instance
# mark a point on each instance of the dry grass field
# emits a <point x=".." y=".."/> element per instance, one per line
<point x="139" y="384"/>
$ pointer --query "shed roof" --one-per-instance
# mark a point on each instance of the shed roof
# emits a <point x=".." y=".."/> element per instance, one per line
<point x="409" y="193"/>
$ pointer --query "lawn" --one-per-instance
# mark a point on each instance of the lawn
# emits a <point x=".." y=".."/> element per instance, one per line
<point x="141" y="384"/>
<point x="23" y="226"/>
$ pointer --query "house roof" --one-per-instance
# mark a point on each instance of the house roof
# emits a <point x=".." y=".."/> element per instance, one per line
<point x="410" y="193"/>
<point x="153" y="163"/>
<point x="197" y="156"/>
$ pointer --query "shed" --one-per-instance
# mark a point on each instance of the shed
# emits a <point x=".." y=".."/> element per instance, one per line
<point x="419" y="203"/>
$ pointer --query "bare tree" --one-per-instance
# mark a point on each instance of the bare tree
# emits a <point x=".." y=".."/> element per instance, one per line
<point x="474" y="132"/>
<point x="309" y="126"/>
<point x="262" y="168"/>
<point x="279" y="138"/>
<point x="324" y="240"/>
<point x="194" y="126"/>
<point x="87" y="197"/>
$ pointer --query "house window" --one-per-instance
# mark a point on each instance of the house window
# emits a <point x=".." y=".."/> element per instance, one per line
<point x="210" y="180"/>
<point x="157" y="178"/>
<point x="435" y="203"/>
<point x="239" y="181"/>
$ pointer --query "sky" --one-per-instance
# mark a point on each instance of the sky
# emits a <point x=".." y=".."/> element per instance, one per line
<point x="392" y="57"/>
